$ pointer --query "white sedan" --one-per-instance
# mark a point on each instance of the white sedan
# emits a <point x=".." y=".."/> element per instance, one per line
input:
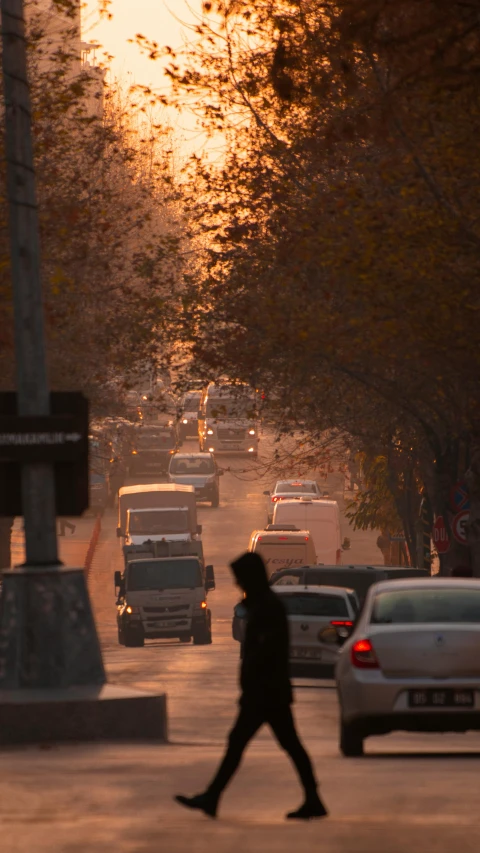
<point x="413" y="661"/>
<point x="289" y="490"/>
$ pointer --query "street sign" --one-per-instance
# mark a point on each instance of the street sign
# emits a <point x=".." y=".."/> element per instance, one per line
<point x="459" y="497"/>
<point x="61" y="438"/>
<point x="42" y="439"/>
<point x="459" y="524"/>
<point x="440" y="535"/>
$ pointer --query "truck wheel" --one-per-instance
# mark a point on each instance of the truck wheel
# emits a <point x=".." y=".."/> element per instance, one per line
<point x="215" y="501"/>
<point x="202" y="636"/>
<point x="351" y="740"/>
<point x="185" y="638"/>
<point x="133" y="638"/>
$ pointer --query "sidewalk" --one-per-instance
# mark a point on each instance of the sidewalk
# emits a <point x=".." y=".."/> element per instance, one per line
<point x="72" y="547"/>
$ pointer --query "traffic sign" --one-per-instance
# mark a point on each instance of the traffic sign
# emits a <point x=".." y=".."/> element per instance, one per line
<point x="42" y="439"/>
<point x="459" y="526"/>
<point x="440" y="535"/>
<point x="60" y="438"/>
<point x="459" y="497"/>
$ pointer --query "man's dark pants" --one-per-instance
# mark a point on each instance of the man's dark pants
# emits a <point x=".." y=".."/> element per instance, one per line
<point x="249" y="721"/>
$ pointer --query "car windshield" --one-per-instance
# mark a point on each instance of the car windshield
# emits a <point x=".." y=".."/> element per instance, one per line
<point x="159" y="521"/>
<point x="223" y="407"/>
<point x="425" y="606"/>
<point x="156" y="440"/>
<point x="163" y="574"/>
<point x="191" y="402"/>
<point x="196" y="465"/>
<point x="297" y="604"/>
<point x="295" y="489"/>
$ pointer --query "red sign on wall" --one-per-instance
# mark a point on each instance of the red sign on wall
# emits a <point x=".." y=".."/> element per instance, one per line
<point x="440" y="535"/>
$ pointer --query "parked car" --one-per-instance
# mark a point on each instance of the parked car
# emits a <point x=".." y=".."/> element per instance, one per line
<point x="199" y="470"/>
<point x="412" y="662"/>
<point x="290" y="489"/>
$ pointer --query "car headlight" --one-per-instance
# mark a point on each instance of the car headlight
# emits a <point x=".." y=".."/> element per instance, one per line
<point x="185" y="421"/>
<point x="132" y="609"/>
<point x="251" y="432"/>
<point x="209" y="431"/>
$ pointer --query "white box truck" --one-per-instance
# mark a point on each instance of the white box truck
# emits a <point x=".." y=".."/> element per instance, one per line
<point x="157" y="511"/>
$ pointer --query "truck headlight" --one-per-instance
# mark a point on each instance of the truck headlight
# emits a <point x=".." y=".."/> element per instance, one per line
<point x="209" y="431"/>
<point x="131" y="609"/>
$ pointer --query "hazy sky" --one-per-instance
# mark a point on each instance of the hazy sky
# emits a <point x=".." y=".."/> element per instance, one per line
<point x="159" y="20"/>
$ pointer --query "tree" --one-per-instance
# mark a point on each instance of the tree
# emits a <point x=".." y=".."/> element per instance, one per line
<point x="109" y="217"/>
<point x="343" y="245"/>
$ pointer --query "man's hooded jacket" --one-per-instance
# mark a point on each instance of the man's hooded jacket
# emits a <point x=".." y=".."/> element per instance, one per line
<point x="264" y="675"/>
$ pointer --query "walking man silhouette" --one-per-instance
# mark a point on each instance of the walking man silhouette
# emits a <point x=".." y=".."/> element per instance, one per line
<point x="266" y="693"/>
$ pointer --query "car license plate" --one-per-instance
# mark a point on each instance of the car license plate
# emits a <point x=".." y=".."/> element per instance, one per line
<point x="306" y="654"/>
<point x="161" y="624"/>
<point x="441" y="698"/>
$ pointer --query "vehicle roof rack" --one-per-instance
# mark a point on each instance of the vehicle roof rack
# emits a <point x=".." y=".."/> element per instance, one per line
<point x="281" y="527"/>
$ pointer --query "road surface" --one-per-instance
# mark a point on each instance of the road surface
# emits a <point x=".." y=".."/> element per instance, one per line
<point x="409" y="793"/>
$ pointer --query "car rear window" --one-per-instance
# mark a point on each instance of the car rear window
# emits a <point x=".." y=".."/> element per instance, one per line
<point x="297" y="604"/>
<point x="425" y="606"/>
<point x="295" y="488"/>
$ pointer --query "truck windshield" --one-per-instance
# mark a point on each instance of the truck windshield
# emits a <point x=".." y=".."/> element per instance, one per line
<point x="156" y="440"/>
<point x="154" y="521"/>
<point x="193" y="465"/>
<point x="163" y="574"/>
<point x="191" y="402"/>
<point x="223" y="407"/>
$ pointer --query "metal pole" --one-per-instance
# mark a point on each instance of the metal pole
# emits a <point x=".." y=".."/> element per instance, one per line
<point x="38" y="485"/>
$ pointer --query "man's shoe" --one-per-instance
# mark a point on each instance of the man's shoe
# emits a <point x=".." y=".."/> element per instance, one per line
<point x="311" y="809"/>
<point x="203" y="802"/>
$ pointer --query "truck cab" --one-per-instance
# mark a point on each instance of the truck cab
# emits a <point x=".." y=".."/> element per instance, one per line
<point x="164" y="597"/>
<point x="228" y="420"/>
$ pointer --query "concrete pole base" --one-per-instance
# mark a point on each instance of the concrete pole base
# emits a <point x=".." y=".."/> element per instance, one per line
<point x="81" y="714"/>
<point x="48" y="637"/>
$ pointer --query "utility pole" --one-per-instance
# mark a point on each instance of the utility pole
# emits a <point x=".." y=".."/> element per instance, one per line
<point x="46" y="624"/>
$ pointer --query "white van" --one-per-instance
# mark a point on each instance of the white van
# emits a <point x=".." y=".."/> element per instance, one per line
<point x="322" y="519"/>
<point x="283" y="549"/>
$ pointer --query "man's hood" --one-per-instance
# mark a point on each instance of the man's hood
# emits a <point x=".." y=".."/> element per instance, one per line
<point x="251" y="576"/>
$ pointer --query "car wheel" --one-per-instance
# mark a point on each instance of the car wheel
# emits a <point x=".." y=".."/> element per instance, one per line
<point x="215" y="501"/>
<point x="185" y="638"/>
<point x="351" y="740"/>
<point x="134" y="639"/>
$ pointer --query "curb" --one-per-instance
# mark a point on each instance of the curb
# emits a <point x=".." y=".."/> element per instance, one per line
<point x="93" y="544"/>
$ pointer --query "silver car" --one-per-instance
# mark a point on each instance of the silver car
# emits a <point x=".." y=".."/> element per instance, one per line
<point x="412" y="662"/>
<point x="290" y="489"/>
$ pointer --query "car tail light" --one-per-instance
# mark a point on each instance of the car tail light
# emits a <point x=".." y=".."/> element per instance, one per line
<point x="363" y="655"/>
<point x="341" y="623"/>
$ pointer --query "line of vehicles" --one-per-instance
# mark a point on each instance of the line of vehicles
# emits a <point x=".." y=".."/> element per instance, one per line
<point x="403" y="646"/>
<point x="162" y="591"/>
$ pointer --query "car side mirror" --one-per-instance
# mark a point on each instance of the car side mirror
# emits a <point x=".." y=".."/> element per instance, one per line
<point x="118" y="580"/>
<point x="210" y="578"/>
<point x="346" y="544"/>
<point x="267" y="494"/>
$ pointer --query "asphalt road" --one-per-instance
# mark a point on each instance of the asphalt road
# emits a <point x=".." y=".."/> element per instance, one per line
<point x="409" y="793"/>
